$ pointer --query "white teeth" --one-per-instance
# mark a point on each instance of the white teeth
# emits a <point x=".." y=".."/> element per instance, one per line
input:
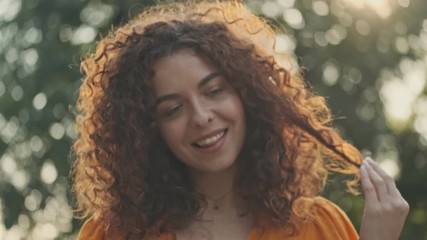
<point x="207" y="141"/>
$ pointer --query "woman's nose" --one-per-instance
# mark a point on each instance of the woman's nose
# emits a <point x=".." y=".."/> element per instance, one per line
<point x="202" y="114"/>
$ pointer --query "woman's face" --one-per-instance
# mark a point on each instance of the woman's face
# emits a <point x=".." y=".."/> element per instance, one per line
<point x="198" y="113"/>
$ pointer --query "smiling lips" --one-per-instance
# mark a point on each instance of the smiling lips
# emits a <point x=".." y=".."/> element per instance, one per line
<point x="210" y="141"/>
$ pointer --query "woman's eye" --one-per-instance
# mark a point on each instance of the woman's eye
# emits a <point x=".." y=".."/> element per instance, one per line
<point x="174" y="110"/>
<point x="214" y="92"/>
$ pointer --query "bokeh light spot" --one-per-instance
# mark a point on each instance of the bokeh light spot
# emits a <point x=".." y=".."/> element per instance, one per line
<point x="403" y="3"/>
<point x="30" y="56"/>
<point x="2" y="88"/>
<point x="9" y="9"/>
<point x="320" y="8"/>
<point x="57" y="131"/>
<point x="8" y="164"/>
<point x="24" y="221"/>
<point x="286" y="3"/>
<point x="330" y="73"/>
<point x="36" y="143"/>
<point x="294" y="18"/>
<point x="10" y="130"/>
<point x="390" y="166"/>
<point x="33" y="35"/>
<point x="65" y="33"/>
<point x="345" y="19"/>
<point x="17" y="93"/>
<point x="365" y="112"/>
<point x="97" y="14"/>
<point x="33" y="200"/>
<point x="336" y="34"/>
<point x="284" y="44"/>
<point x="370" y="94"/>
<point x="320" y="39"/>
<point x="20" y="179"/>
<point x="2" y="121"/>
<point x="11" y="55"/>
<point x="83" y="34"/>
<point x="363" y="27"/>
<point x="271" y="9"/>
<point x="39" y="101"/>
<point x="72" y="131"/>
<point x="400" y="28"/>
<point x="48" y="172"/>
<point x="402" y="45"/>
<point x="24" y="116"/>
<point x="49" y="231"/>
<point x="59" y="111"/>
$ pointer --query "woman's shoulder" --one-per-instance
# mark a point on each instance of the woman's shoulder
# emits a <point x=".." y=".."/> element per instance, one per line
<point x="95" y="230"/>
<point x="326" y="221"/>
<point x="92" y="230"/>
<point x="331" y="221"/>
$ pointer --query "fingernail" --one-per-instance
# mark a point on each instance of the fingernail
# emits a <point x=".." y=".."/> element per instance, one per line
<point x="368" y="160"/>
<point x="365" y="161"/>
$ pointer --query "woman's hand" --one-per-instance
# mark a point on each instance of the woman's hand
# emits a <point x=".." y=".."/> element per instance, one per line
<point x="385" y="208"/>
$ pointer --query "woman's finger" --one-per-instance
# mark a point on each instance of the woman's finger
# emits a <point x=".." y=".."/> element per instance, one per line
<point x="384" y="214"/>
<point x="378" y="182"/>
<point x="369" y="190"/>
<point x="388" y="180"/>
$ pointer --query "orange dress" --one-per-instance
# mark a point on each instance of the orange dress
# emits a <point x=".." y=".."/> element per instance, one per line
<point x="330" y="223"/>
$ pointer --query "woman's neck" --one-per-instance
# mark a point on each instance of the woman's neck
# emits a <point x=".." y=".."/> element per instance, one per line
<point x="214" y="185"/>
<point x="221" y="219"/>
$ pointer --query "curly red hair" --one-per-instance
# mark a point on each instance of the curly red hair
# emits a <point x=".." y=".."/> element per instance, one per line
<point x="124" y="175"/>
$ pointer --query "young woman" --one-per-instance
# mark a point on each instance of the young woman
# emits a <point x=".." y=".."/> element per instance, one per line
<point x="191" y="126"/>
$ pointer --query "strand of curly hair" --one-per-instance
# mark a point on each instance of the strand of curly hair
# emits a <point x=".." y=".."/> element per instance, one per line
<point x="124" y="175"/>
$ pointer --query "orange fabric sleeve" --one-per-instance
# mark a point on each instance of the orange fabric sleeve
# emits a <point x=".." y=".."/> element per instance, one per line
<point x="330" y="222"/>
<point x="91" y="231"/>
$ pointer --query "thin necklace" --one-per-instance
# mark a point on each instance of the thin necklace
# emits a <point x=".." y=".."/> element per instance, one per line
<point x="217" y="200"/>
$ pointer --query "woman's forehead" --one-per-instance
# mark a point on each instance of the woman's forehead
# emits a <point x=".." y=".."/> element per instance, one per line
<point x="182" y="69"/>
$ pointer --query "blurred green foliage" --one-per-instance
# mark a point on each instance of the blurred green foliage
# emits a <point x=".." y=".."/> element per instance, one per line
<point x="368" y="57"/>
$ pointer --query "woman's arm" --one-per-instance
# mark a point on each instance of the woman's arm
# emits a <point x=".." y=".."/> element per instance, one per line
<point x="385" y="208"/>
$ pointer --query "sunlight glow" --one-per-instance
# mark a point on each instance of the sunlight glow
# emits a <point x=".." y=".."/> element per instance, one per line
<point x="400" y="95"/>
<point x="387" y="155"/>
<point x="391" y="167"/>
<point x="420" y="122"/>
<point x="381" y="7"/>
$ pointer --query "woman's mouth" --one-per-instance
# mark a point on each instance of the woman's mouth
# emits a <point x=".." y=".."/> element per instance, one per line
<point x="210" y="141"/>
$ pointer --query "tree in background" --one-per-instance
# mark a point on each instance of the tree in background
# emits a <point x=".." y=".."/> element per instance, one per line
<point x="368" y="57"/>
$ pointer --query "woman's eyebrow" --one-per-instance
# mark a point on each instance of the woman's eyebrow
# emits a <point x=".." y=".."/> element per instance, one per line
<point x="201" y="83"/>
<point x="209" y="77"/>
